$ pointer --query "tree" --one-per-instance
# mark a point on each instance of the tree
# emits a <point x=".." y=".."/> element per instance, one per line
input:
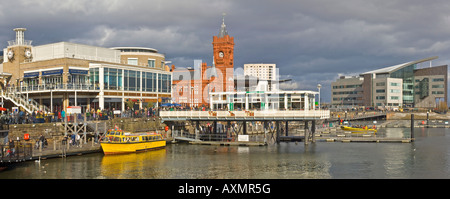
<point x="130" y="104"/>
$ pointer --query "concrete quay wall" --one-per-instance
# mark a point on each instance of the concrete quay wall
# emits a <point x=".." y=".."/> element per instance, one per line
<point x="56" y="130"/>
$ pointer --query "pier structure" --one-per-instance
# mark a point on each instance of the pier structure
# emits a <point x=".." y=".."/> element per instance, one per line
<point x="231" y="126"/>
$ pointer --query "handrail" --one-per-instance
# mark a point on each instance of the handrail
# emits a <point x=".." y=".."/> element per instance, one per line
<point x="19" y="99"/>
<point x="54" y="87"/>
<point x="319" y="114"/>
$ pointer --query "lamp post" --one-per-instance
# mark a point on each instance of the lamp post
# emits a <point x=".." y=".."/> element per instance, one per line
<point x="318" y="87"/>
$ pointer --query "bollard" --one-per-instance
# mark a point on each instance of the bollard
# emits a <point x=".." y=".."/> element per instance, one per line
<point x="412" y="127"/>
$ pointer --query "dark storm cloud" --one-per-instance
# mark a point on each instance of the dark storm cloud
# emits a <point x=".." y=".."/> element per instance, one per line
<point x="310" y="41"/>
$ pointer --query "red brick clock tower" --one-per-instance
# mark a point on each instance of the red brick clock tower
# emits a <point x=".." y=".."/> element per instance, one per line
<point x="223" y="51"/>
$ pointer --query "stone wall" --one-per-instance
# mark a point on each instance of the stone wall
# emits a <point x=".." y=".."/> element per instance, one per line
<point x="51" y="130"/>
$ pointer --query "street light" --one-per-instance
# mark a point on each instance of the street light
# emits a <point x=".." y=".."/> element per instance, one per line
<point x="318" y="87"/>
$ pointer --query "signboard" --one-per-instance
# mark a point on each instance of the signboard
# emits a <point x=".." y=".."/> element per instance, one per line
<point x="52" y="72"/>
<point x="243" y="138"/>
<point x="78" y="71"/>
<point x="32" y="74"/>
<point x="73" y="109"/>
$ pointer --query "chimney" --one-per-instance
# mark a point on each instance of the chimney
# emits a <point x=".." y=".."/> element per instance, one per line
<point x="173" y="67"/>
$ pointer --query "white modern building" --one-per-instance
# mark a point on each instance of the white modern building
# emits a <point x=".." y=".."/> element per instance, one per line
<point x="266" y="75"/>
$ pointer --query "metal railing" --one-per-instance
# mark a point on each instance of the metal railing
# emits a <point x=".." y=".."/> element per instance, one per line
<point x="265" y="114"/>
<point x="21" y="100"/>
<point x="16" y="153"/>
<point x="54" y="87"/>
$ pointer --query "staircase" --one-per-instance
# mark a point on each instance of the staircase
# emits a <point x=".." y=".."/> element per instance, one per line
<point x="19" y="99"/>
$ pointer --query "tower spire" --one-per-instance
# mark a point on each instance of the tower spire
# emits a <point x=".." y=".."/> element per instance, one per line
<point x="223" y="27"/>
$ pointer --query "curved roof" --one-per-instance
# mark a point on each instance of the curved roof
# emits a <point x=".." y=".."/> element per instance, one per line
<point x="391" y="69"/>
<point x="135" y="49"/>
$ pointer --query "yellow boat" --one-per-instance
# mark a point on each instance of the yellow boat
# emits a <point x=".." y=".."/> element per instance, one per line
<point x="358" y="130"/>
<point x="117" y="141"/>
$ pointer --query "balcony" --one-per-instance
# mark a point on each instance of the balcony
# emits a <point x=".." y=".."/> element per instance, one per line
<point x="55" y="87"/>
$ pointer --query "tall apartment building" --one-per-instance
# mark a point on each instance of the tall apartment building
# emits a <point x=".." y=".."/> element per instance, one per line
<point x="265" y="75"/>
<point x="402" y="85"/>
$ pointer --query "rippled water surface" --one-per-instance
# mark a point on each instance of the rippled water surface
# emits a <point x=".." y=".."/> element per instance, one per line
<point x="427" y="157"/>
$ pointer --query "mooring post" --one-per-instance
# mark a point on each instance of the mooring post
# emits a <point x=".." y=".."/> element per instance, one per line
<point x="197" y="128"/>
<point x="287" y="127"/>
<point x="412" y="127"/>
<point x="277" y="123"/>
<point x="244" y="123"/>
<point x="313" y="130"/>
<point x="265" y="131"/>
<point x="306" y="133"/>
<point x="228" y="129"/>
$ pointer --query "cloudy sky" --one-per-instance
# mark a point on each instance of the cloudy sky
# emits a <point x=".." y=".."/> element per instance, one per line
<point x="310" y="41"/>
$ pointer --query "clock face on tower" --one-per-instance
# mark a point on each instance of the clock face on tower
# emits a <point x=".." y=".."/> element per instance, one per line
<point x="10" y="54"/>
<point x="28" y="53"/>
<point x="221" y="54"/>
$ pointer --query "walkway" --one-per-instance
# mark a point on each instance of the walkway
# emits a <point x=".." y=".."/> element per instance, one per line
<point x="59" y="150"/>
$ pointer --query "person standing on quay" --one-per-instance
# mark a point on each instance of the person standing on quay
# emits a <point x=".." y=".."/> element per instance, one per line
<point x="63" y="115"/>
<point x="41" y="141"/>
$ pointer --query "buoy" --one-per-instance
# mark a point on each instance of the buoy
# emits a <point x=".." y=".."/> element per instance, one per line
<point x="26" y="136"/>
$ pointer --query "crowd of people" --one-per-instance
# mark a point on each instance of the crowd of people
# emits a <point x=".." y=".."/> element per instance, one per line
<point x="23" y="117"/>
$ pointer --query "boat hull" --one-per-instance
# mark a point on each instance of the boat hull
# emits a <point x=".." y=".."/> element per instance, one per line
<point x="118" y="148"/>
<point x="358" y="130"/>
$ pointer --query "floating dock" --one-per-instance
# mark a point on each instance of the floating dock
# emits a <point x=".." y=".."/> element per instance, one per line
<point x="229" y="143"/>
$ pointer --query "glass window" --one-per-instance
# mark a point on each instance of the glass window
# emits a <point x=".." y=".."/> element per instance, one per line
<point x="112" y="79"/>
<point x="164" y="82"/>
<point x="119" y="79"/>
<point x="132" y="80"/>
<point x="126" y="80"/>
<point x="105" y="78"/>
<point x="407" y="74"/>
<point x="138" y="80"/>
<point x="132" y="61"/>
<point x="438" y="80"/>
<point x="149" y="82"/>
<point x="93" y="77"/>
<point x="151" y="63"/>
<point x="437" y="86"/>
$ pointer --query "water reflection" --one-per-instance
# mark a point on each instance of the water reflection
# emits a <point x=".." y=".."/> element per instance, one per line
<point x="427" y="157"/>
<point x="132" y="165"/>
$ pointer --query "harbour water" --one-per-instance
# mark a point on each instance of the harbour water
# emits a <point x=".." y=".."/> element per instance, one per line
<point x="427" y="157"/>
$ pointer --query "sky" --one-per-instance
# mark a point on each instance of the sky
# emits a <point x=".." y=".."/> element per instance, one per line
<point x="311" y="42"/>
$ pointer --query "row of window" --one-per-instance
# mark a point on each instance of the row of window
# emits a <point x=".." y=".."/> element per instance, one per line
<point x="347" y="86"/>
<point x="131" y="79"/>
<point x="134" y="61"/>
<point x="384" y="84"/>
<point x="384" y="97"/>
<point x="390" y="90"/>
<point x="346" y="92"/>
